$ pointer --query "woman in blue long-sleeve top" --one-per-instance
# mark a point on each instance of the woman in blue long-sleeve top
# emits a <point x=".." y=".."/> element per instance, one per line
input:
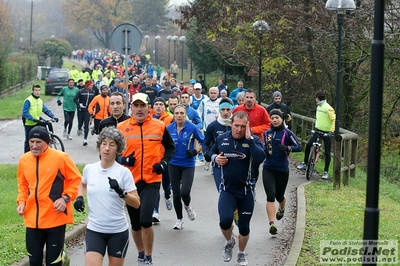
<point x="278" y="143"/>
<point x="182" y="165"/>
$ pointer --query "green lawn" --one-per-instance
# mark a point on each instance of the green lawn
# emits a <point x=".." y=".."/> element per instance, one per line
<point x="12" y="229"/>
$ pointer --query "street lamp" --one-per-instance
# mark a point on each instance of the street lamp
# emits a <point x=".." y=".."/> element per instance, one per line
<point x="340" y="6"/>
<point x="259" y="28"/>
<point x="182" y="39"/>
<point x="157" y="39"/>
<point x="169" y="37"/>
<point x="146" y="37"/>
<point x="174" y="38"/>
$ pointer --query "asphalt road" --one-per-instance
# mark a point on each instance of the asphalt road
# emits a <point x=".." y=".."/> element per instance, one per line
<point x="200" y="242"/>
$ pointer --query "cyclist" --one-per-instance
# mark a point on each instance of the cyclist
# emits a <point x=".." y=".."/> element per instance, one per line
<point x="278" y="143"/>
<point x="325" y="122"/>
<point x="31" y="111"/>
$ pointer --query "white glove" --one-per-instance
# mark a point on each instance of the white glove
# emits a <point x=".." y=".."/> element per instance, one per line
<point x="81" y="105"/>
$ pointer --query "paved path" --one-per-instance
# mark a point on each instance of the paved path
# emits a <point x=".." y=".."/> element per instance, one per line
<point x="200" y="242"/>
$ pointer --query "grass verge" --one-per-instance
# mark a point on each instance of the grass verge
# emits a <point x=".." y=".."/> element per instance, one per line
<point x="12" y="229"/>
<point x="339" y="214"/>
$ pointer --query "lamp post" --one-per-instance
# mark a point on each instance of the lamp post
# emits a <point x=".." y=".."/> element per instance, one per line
<point x="169" y="37"/>
<point x="182" y="39"/>
<point x="157" y="39"/>
<point x="340" y="6"/>
<point x="175" y="38"/>
<point x="146" y="37"/>
<point x="259" y="28"/>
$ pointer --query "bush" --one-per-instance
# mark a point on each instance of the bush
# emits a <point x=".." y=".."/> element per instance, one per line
<point x="18" y="68"/>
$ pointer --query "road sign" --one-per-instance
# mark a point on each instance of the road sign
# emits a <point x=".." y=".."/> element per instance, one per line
<point x="134" y="38"/>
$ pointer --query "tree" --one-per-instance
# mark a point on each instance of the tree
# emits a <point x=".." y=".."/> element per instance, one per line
<point x="149" y="14"/>
<point x="100" y="16"/>
<point x="54" y="48"/>
<point x="6" y="36"/>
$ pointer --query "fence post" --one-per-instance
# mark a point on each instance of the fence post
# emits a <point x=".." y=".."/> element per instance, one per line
<point x="346" y="160"/>
<point x="354" y="154"/>
<point x="337" y="164"/>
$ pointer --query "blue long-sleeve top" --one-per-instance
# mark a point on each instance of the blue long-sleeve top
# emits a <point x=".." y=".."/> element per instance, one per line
<point x="194" y="117"/>
<point x="277" y="159"/>
<point x="184" y="140"/>
<point x="239" y="175"/>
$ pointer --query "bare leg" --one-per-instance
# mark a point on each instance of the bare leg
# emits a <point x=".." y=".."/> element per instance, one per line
<point x="243" y="242"/>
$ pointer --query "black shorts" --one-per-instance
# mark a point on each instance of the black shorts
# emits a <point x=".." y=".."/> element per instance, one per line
<point x="116" y="244"/>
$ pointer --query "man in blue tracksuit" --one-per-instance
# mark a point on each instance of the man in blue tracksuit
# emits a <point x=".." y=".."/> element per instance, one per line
<point x="239" y="153"/>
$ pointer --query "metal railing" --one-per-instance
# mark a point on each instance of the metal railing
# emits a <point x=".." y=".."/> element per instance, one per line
<point x="345" y="148"/>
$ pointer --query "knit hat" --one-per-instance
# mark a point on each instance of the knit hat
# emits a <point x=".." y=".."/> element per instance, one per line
<point x="276" y="112"/>
<point x="276" y="93"/>
<point x="40" y="133"/>
<point x="80" y="80"/>
<point x="88" y="83"/>
<point x="159" y="99"/>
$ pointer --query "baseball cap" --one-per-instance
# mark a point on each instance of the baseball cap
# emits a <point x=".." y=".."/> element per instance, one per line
<point x="181" y="82"/>
<point x="192" y="81"/>
<point x="197" y="86"/>
<point x="140" y="97"/>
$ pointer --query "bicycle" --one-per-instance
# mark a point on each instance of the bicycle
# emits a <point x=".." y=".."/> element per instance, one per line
<point x="55" y="141"/>
<point x="314" y="152"/>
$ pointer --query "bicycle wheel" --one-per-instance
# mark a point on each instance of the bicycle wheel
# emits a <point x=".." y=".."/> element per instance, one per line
<point x="310" y="163"/>
<point x="56" y="143"/>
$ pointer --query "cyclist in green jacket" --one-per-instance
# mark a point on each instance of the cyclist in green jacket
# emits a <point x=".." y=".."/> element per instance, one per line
<point x="69" y="106"/>
<point x="325" y="122"/>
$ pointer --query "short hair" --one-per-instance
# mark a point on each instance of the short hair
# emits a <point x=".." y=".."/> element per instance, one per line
<point x="320" y="95"/>
<point x="185" y="93"/>
<point x="35" y="86"/>
<point x="240" y="96"/>
<point x="70" y="80"/>
<point x="117" y="93"/>
<point x="226" y="100"/>
<point x="181" y="106"/>
<point x="239" y="114"/>
<point x="114" y="134"/>
<point x="173" y="96"/>
<point x="250" y="91"/>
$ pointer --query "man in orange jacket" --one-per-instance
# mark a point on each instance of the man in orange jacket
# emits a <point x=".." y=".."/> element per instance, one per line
<point x="48" y="182"/>
<point x="99" y="108"/>
<point x="154" y="148"/>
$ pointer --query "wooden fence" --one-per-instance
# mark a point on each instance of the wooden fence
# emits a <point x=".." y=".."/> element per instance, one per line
<point x="345" y="147"/>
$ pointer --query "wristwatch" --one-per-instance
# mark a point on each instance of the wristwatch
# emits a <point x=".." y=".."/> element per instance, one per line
<point x="123" y="195"/>
<point x="251" y="137"/>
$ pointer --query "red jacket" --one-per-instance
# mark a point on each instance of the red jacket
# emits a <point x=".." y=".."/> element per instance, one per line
<point x="259" y="118"/>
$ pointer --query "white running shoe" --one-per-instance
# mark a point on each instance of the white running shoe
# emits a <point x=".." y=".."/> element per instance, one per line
<point x="190" y="212"/>
<point x="168" y="203"/>
<point x="227" y="250"/>
<point x="241" y="260"/>
<point x="178" y="225"/>
<point x="206" y="166"/>
<point x="156" y="217"/>
<point x="69" y="137"/>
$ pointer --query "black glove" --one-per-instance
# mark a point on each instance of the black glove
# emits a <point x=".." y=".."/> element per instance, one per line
<point x="114" y="185"/>
<point x="36" y="120"/>
<point x="56" y="119"/>
<point x="207" y="156"/>
<point x="159" y="168"/>
<point x="127" y="160"/>
<point x="59" y="103"/>
<point x="191" y="153"/>
<point x="282" y="147"/>
<point x="79" y="204"/>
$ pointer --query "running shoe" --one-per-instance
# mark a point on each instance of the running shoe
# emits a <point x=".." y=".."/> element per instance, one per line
<point x="92" y="131"/>
<point x="168" y="203"/>
<point x="156" y="217"/>
<point x="302" y="166"/>
<point x="65" y="134"/>
<point x="241" y="260"/>
<point x="272" y="229"/>
<point x="79" y="133"/>
<point x="201" y="157"/>
<point x="148" y="262"/>
<point x="84" y="142"/>
<point x="191" y="213"/>
<point x="69" y="137"/>
<point x="206" y="166"/>
<point x="280" y="213"/>
<point x="325" y="176"/>
<point x="227" y="250"/>
<point x="140" y="262"/>
<point x="236" y="217"/>
<point x="178" y="225"/>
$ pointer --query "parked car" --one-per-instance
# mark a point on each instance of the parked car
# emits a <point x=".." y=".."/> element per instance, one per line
<point x="56" y="80"/>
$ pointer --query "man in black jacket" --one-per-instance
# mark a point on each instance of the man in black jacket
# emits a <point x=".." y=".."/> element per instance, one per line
<point x="277" y="104"/>
<point x="82" y="100"/>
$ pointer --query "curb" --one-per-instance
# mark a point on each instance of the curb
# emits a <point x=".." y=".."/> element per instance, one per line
<point x="76" y="231"/>
<point x="300" y="227"/>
